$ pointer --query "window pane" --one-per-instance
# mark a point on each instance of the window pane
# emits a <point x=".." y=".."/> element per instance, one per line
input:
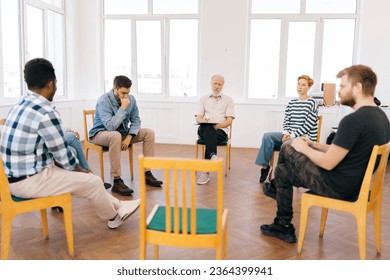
<point x="125" y="7"/>
<point x="175" y="6"/>
<point x="56" y="53"/>
<point x="149" y="57"/>
<point x="35" y="43"/>
<point x="331" y="6"/>
<point x="183" y="57"/>
<point x="264" y="58"/>
<point x="300" y="53"/>
<point x="276" y="6"/>
<point x="11" y="48"/>
<point x="57" y="3"/>
<point x="117" y="50"/>
<point x="337" y="47"/>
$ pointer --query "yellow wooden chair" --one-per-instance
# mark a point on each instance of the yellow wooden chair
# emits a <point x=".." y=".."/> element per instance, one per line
<point x="89" y="117"/>
<point x="227" y="143"/>
<point x="180" y="222"/>
<point x="10" y="206"/>
<point x="369" y="200"/>
<point x="275" y="153"/>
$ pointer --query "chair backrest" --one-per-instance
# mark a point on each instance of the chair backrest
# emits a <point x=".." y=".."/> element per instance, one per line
<point x="5" y="193"/>
<point x="371" y="189"/>
<point x="319" y="128"/>
<point x="180" y="191"/>
<point x="89" y="115"/>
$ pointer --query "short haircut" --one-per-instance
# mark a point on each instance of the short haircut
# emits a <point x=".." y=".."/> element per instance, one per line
<point x="361" y="74"/>
<point x="38" y="72"/>
<point x="309" y="80"/>
<point x="122" y="82"/>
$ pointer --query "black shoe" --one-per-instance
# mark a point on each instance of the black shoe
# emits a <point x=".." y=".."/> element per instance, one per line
<point x="151" y="180"/>
<point x="57" y="208"/>
<point x="285" y="233"/>
<point x="107" y="185"/>
<point x="269" y="189"/>
<point x="120" y="188"/>
<point x="264" y="174"/>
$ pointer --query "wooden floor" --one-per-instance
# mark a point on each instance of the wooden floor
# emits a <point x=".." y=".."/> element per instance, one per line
<point x="248" y="209"/>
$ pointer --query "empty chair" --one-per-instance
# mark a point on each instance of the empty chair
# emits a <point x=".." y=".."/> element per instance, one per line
<point x="179" y="221"/>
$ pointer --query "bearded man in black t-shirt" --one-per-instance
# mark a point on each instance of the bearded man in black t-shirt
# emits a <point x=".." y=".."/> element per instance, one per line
<point x="335" y="170"/>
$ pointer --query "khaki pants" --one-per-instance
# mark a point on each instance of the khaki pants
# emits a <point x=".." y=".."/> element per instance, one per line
<point x="53" y="180"/>
<point x="113" y="140"/>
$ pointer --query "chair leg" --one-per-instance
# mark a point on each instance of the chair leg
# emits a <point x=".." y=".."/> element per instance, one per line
<point x="225" y="244"/>
<point x="142" y="251"/>
<point x="302" y="225"/>
<point x="362" y="234"/>
<point x="324" y="215"/>
<point x="69" y="227"/>
<point x="6" y="228"/>
<point x="377" y="227"/>
<point x="45" y="226"/>
<point x="196" y="150"/>
<point x="227" y="163"/>
<point x="101" y="166"/>
<point x="156" y="252"/>
<point x="131" y="163"/>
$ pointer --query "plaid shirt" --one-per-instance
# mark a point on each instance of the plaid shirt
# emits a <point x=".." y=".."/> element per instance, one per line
<point x="32" y="138"/>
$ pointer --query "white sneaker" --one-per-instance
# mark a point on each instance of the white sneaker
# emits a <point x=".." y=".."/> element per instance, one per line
<point x="203" y="179"/>
<point x="126" y="209"/>
<point x="214" y="157"/>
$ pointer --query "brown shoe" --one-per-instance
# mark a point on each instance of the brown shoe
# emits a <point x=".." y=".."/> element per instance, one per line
<point x="151" y="180"/>
<point x="120" y="188"/>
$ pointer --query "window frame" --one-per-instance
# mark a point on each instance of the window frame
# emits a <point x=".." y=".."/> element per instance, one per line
<point x="45" y="6"/>
<point x="165" y="50"/>
<point x="22" y="18"/>
<point x="319" y="19"/>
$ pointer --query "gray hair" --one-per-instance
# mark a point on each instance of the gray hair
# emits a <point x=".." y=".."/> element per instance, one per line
<point x="218" y="76"/>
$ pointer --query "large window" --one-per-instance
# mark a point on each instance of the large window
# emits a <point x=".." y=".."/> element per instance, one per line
<point x="10" y="71"/>
<point x="154" y="43"/>
<point x="41" y="35"/>
<point x="289" y="38"/>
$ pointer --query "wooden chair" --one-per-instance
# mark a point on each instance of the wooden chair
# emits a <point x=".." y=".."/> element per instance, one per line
<point x="180" y="222"/>
<point x="275" y="153"/>
<point x="10" y="206"/>
<point x="227" y="143"/>
<point x="369" y="200"/>
<point x="89" y="117"/>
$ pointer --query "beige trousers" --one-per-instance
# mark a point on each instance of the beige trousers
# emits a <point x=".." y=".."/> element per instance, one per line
<point x="113" y="140"/>
<point x="53" y="180"/>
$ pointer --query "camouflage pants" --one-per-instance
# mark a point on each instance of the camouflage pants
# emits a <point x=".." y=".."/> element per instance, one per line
<point x="295" y="169"/>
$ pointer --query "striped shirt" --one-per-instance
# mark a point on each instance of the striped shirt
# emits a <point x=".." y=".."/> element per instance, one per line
<point x="301" y="118"/>
<point x="32" y="138"/>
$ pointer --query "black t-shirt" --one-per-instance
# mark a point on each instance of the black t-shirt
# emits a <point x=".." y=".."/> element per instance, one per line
<point x="358" y="132"/>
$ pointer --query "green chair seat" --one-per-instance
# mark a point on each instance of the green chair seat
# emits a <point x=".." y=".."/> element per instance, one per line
<point x="206" y="220"/>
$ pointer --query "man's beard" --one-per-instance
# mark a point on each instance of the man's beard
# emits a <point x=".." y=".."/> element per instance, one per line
<point x="349" y="101"/>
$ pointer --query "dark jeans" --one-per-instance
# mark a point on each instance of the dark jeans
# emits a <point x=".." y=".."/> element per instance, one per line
<point x="295" y="169"/>
<point x="211" y="138"/>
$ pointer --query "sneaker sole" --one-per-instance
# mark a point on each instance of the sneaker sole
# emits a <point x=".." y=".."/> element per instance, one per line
<point x="125" y="217"/>
<point x="203" y="182"/>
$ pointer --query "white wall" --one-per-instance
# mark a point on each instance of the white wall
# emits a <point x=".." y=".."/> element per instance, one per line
<point x="223" y="50"/>
<point x="374" y="43"/>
